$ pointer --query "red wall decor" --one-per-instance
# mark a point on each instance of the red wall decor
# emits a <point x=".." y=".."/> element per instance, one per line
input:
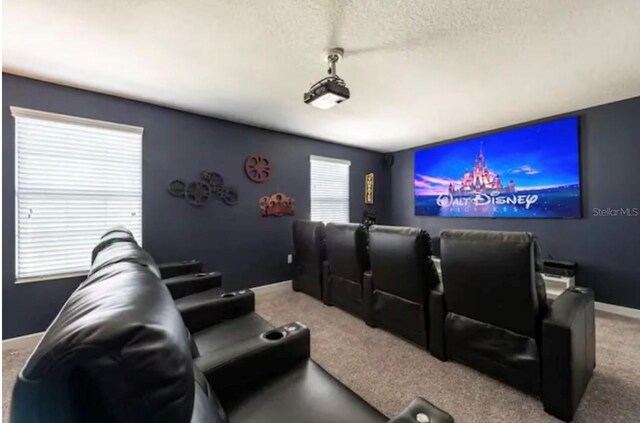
<point x="258" y="168"/>
<point x="277" y="205"/>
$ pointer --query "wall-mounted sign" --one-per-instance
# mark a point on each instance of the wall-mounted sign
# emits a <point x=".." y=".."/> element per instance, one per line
<point x="368" y="188"/>
<point x="277" y="205"/>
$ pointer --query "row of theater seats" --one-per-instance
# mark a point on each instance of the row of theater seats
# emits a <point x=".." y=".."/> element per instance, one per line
<point x="489" y="311"/>
<point x="131" y="346"/>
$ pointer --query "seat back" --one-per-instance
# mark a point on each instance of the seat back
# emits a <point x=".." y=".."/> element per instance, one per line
<point x="400" y="259"/>
<point x="402" y="276"/>
<point x="309" y="247"/>
<point x="347" y="250"/>
<point x="494" y="303"/>
<point x="490" y="276"/>
<point x="118" y="351"/>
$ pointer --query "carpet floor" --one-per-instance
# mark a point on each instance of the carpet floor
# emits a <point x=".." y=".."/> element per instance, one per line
<point x="389" y="372"/>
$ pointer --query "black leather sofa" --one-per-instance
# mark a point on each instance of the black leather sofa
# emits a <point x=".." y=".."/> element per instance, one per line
<point x="119" y="351"/>
<point x="398" y="286"/>
<point x="493" y="315"/>
<point x="310" y="253"/>
<point x="343" y="271"/>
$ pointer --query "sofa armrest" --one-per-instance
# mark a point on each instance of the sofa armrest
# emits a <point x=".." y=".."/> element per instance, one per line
<point x="437" y="314"/>
<point x="367" y="297"/>
<point x="568" y="351"/>
<point x="177" y="268"/>
<point x="253" y="360"/>
<point x="200" y="311"/>
<point x="183" y="285"/>
<point x="326" y="289"/>
<point x="422" y="411"/>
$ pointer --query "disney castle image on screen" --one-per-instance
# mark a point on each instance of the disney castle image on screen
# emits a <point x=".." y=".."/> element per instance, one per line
<point x="529" y="172"/>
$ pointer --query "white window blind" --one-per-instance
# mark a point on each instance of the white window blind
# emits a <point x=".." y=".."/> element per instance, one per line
<point x="329" y="189"/>
<point x="75" y="178"/>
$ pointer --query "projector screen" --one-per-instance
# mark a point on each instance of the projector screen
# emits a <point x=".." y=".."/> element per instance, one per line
<point x="528" y="172"/>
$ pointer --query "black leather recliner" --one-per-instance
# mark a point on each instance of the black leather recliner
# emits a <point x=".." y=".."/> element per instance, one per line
<point x="183" y="277"/>
<point x="343" y="271"/>
<point x="119" y="351"/>
<point x="494" y="317"/>
<point x="309" y="248"/>
<point x="402" y="275"/>
<point x="215" y="318"/>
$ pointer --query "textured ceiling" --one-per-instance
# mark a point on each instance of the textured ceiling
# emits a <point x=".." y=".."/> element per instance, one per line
<point x="419" y="71"/>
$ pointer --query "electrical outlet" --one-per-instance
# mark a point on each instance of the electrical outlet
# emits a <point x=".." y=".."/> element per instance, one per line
<point x="290" y="258"/>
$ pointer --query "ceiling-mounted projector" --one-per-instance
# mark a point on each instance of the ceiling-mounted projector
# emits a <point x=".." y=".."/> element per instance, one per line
<point x="331" y="90"/>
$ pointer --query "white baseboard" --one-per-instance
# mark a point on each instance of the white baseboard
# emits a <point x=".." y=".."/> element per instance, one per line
<point x="22" y="342"/>
<point x="270" y="287"/>
<point x="619" y="310"/>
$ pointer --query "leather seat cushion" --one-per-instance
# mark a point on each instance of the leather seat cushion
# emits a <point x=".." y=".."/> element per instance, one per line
<point x="228" y="332"/>
<point x="306" y="393"/>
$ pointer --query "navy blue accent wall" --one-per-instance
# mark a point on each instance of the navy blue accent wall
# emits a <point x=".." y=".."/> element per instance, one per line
<point x="607" y="248"/>
<point x="249" y="249"/>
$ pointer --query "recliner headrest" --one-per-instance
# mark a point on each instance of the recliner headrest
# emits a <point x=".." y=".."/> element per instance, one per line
<point x="407" y="231"/>
<point x="128" y="340"/>
<point x="120" y="246"/>
<point x="116" y="229"/>
<point x="111" y="238"/>
<point x="497" y="236"/>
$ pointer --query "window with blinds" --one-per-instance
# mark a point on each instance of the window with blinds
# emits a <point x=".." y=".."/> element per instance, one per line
<point x="75" y="178"/>
<point x="329" y="189"/>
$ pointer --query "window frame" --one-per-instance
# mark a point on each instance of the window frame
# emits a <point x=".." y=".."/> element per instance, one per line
<point x="20" y="112"/>
<point x="343" y="162"/>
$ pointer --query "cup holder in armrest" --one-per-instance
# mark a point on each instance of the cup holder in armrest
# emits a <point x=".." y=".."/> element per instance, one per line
<point x="228" y="295"/>
<point x="203" y="274"/>
<point x="274" y="335"/>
